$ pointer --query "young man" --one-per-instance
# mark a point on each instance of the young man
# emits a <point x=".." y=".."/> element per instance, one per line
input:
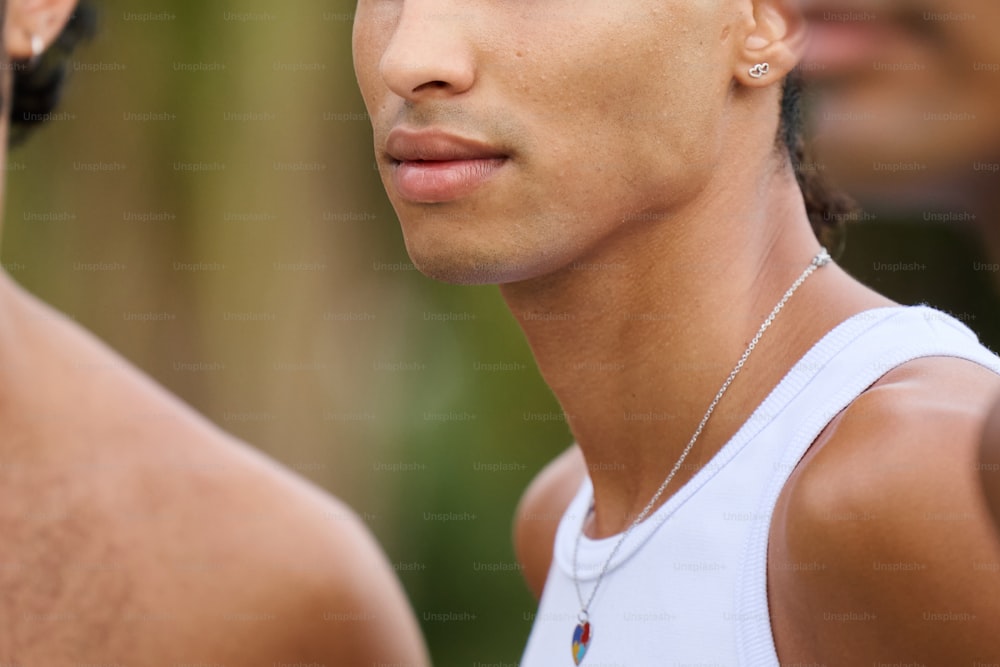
<point x="135" y="532"/>
<point x="930" y="104"/>
<point x="614" y="168"/>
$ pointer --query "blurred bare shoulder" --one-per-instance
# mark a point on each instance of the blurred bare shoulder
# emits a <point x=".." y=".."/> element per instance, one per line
<point x="539" y="511"/>
<point x="989" y="457"/>
<point x="325" y="590"/>
<point x="882" y="549"/>
<point x="137" y="532"/>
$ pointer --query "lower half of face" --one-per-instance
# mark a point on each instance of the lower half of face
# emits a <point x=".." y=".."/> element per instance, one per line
<point x="908" y="91"/>
<point x="534" y="214"/>
<point x="591" y="118"/>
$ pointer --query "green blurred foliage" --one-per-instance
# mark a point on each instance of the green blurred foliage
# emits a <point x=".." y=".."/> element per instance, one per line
<point x="213" y="161"/>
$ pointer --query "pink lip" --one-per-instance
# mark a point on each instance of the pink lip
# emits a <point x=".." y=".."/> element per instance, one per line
<point x="839" y="47"/>
<point x="846" y="36"/>
<point x="432" y="166"/>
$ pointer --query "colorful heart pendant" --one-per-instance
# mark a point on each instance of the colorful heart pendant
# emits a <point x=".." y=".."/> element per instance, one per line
<point x="581" y="641"/>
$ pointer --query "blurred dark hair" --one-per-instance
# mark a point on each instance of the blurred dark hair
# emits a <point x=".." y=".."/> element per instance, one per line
<point x="38" y="87"/>
<point x="828" y="208"/>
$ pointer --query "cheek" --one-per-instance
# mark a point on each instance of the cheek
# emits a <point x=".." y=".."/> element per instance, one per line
<point x="362" y="55"/>
<point x="642" y="114"/>
<point x="371" y="33"/>
<point x="644" y="148"/>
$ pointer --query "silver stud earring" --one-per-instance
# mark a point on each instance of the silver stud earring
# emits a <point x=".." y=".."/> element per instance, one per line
<point x="760" y="70"/>
<point x="37" y="48"/>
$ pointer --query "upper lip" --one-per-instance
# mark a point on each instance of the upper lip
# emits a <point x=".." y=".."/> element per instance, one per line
<point x="408" y="145"/>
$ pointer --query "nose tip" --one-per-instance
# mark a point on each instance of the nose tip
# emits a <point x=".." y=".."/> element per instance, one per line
<point x="426" y="58"/>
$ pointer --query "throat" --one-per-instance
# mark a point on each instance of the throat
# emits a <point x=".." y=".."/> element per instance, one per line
<point x="651" y="402"/>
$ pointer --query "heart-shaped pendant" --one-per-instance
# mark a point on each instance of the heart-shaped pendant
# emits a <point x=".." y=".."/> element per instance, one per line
<point x="581" y="641"/>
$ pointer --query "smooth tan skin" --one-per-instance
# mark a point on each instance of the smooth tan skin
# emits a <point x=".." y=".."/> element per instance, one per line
<point x="961" y="73"/>
<point x="645" y="205"/>
<point x="136" y="533"/>
<point x="989" y="463"/>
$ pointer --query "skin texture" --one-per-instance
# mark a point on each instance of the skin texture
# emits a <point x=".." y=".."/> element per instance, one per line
<point x="137" y="533"/>
<point x="954" y="43"/>
<point x="989" y="462"/>
<point x="567" y="133"/>
<point x="642" y="227"/>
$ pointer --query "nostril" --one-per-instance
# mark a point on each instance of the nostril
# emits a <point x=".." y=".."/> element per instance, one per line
<point x="431" y="85"/>
<point x="432" y="70"/>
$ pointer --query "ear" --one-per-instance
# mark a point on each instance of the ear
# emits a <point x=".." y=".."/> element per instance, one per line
<point x="775" y="41"/>
<point x="34" y="20"/>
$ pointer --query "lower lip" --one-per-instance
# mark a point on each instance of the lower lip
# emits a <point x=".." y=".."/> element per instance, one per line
<point x="435" y="182"/>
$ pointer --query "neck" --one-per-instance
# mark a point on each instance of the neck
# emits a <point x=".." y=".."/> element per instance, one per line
<point x="636" y="338"/>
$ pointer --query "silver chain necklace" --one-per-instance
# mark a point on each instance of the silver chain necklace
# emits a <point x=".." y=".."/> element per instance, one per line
<point x="583" y="634"/>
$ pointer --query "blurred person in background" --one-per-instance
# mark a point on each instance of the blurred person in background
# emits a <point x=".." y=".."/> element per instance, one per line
<point x="909" y="114"/>
<point x="136" y="532"/>
<point x="625" y="173"/>
<point x="908" y="118"/>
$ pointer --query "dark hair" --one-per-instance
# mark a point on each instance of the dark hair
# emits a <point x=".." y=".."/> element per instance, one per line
<point x="827" y="207"/>
<point x="38" y="87"/>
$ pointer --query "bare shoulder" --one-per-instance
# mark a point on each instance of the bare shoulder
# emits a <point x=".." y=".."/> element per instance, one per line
<point x="224" y="558"/>
<point x="277" y="570"/>
<point x="542" y="506"/>
<point x="989" y="456"/>
<point x="165" y="541"/>
<point x="882" y="549"/>
<point x="313" y="572"/>
<point x="137" y="532"/>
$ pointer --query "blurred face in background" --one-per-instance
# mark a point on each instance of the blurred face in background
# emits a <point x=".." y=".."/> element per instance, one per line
<point x="909" y="94"/>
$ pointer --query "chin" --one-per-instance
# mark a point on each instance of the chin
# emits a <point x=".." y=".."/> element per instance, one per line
<point x="478" y="262"/>
<point x="472" y="271"/>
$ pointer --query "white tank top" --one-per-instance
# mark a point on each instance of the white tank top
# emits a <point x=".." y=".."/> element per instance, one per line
<point x="688" y="588"/>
